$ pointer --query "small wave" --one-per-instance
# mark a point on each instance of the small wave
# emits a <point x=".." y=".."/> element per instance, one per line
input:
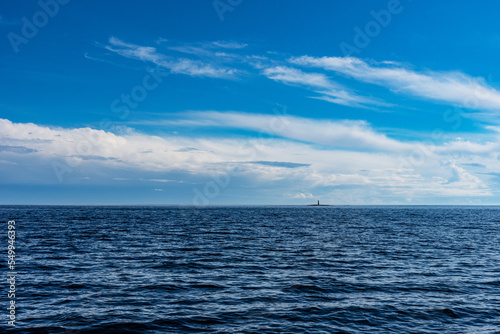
<point x="304" y="288"/>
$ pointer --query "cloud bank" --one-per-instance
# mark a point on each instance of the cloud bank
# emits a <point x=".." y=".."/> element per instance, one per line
<point x="303" y="154"/>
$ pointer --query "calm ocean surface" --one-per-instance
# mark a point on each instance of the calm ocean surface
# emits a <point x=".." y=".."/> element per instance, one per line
<point x="255" y="269"/>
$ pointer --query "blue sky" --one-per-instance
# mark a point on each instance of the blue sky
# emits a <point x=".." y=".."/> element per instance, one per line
<point x="249" y="102"/>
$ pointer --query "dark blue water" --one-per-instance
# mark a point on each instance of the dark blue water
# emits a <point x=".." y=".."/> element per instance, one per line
<point x="255" y="269"/>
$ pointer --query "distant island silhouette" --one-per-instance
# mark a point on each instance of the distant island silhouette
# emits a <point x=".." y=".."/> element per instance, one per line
<point x="318" y="204"/>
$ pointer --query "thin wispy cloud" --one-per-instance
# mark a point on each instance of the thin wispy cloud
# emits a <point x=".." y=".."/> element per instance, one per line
<point x="217" y="50"/>
<point x="345" y="134"/>
<point x="220" y="64"/>
<point x="291" y="75"/>
<point x="191" y="67"/>
<point x="329" y="90"/>
<point x="339" y="134"/>
<point x="453" y="88"/>
<point x="228" y="45"/>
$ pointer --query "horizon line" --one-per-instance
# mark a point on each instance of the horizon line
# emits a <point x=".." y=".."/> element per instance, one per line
<point x="233" y="205"/>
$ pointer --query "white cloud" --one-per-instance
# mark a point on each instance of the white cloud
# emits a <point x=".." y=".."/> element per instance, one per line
<point x="228" y="45"/>
<point x="339" y="134"/>
<point x="175" y="65"/>
<point x="290" y="75"/>
<point x="449" y="87"/>
<point x="163" y="180"/>
<point x="300" y="195"/>
<point x="94" y="153"/>
<point x="330" y="91"/>
<point x="453" y="88"/>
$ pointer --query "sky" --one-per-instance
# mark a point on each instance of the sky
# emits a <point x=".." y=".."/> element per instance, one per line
<point x="232" y="102"/>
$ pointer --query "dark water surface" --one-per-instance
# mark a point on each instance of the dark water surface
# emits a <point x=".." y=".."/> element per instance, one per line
<point x="255" y="269"/>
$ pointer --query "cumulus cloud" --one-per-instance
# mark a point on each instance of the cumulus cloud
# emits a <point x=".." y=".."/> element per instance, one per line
<point x="342" y="159"/>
